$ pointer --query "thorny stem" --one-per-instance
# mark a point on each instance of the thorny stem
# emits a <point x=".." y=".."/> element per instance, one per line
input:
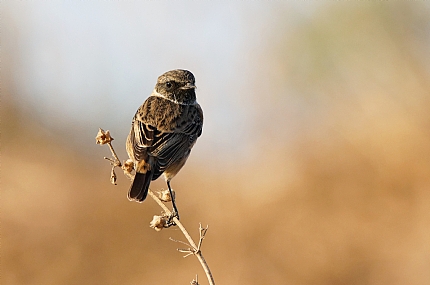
<point x="196" y="248"/>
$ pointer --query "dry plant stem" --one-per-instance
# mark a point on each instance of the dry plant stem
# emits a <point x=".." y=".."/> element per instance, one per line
<point x="197" y="251"/>
<point x="117" y="161"/>
<point x="101" y="139"/>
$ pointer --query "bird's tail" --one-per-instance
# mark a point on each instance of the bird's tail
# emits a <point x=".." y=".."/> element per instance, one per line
<point x="139" y="187"/>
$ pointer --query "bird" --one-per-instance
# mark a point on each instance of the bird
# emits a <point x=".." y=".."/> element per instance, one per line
<point x="163" y="132"/>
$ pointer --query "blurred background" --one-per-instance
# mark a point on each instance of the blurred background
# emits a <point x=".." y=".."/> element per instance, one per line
<point x="313" y="166"/>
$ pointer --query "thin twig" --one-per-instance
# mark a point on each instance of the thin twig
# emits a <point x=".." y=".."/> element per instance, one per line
<point x="202" y="234"/>
<point x="118" y="162"/>
<point x="179" y="241"/>
<point x="195" y="281"/>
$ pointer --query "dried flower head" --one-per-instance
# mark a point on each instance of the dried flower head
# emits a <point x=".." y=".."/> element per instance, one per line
<point x="128" y="166"/>
<point x="165" y="195"/>
<point x="158" y="223"/>
<point x="195" y="281"/>
<point x="103" y="137"/>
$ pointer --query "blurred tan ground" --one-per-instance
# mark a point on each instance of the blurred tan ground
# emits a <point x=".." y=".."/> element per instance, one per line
<point x="346" y="200"/>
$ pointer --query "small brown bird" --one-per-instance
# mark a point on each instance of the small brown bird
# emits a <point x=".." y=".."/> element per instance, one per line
<point x="163" y="131"/>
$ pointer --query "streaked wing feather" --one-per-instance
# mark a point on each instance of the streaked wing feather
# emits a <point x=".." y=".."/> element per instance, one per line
<point x="142" y="137"/>
<point x="168" y="145"/>
<point x="170" y="148"/>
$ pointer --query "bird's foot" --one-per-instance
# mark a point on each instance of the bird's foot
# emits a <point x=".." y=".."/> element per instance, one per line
<point x="170" y="222"/>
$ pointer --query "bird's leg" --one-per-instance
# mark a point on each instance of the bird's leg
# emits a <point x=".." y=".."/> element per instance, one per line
<point x="175" y="212"/>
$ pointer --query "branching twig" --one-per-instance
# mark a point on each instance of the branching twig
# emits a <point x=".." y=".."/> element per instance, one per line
<point x="195" y="249"/>
<point x="105" y="138"/>
<point x="202" y="234"/>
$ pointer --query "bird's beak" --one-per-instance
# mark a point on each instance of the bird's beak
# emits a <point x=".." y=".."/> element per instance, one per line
<point x="189" y="86"/>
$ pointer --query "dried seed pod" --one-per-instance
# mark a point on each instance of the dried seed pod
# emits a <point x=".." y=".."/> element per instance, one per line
<point x="128" y="166"/>
<point x="158" y="223"/>
<point x="113" y="177"/>
<point x="165" y="195"/>
<point x="103" y="137"/>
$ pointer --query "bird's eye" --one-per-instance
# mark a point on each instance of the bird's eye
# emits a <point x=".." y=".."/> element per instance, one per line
<point x="168" y="84"/>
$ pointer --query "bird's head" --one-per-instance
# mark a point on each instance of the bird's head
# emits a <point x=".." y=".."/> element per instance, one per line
<point x="177" y="85"/>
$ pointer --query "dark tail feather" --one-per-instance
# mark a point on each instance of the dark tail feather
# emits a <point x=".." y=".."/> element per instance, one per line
<point x="140" y="186"/>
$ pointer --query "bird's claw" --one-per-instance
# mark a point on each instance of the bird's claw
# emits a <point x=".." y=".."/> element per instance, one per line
<point x="170" y="221"/>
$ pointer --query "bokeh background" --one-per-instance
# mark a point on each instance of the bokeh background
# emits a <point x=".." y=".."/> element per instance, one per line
<point x="313" y="166"/>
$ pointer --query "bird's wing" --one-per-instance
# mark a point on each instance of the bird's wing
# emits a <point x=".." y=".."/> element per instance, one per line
<point x="141" y="136"/>
<point x="167" y="143"/>
<point x="193" y="122"/>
